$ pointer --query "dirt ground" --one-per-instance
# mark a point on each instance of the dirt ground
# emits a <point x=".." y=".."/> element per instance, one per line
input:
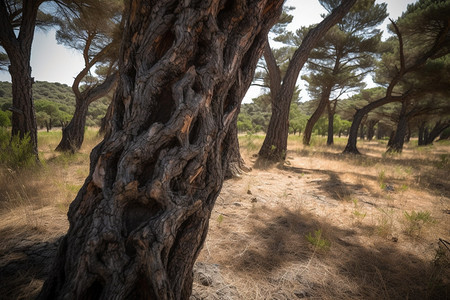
<point x="321" y="225"/>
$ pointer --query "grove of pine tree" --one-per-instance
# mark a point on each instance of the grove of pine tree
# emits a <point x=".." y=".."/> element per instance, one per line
<point x="422" y="35"/>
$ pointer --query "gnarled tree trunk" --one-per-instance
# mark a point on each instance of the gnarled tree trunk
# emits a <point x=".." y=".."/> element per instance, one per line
<point x="139" y="221"/>
<point x="73" y="133"/>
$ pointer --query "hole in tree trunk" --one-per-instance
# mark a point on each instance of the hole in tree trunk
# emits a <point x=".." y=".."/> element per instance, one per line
<point x="94" y="291"/>
<point x="194" y="131"/>
<point x="142" y="290"/>
<point x="136" y="214"/>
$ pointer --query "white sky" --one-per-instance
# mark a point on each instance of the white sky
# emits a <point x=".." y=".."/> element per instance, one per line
<point x="56" y="63"/>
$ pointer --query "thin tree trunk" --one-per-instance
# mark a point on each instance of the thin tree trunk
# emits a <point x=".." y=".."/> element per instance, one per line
<point x="391" y="139"/>
<point x="324" y="99"/>
<point x="275" y="143"/>
<point x="331" y="113"/>
<point x="139" y="221"/>
<point x="73" y="133"/>
<point x="371" y="129"/>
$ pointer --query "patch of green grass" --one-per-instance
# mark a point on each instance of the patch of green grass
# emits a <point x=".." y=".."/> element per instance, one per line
<point x="16" y="153"/>
<point x="356" y="212"/>
<point x="415" y="221"/>
<point x="381" y="179"/>
<point x="385" y="224"/>
<point x="251" y="142"/>
<point x="318" y="241"/>
<point x="443" y="161"/>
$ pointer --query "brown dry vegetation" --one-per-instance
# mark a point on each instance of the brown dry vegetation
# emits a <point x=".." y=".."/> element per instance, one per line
<point x="257" y="244"/>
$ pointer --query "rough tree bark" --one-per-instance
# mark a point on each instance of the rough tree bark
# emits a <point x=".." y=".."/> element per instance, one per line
<point x="18" y="50"/>
<point x="139" y="221"/>
<point x="73" y="133"/>
<point x="275" y="144"/>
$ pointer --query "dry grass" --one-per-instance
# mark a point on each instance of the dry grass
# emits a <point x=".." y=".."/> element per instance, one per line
<point x="260" y="222"/>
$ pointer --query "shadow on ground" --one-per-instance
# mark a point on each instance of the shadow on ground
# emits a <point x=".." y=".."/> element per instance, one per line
<point x="380" y="271"/>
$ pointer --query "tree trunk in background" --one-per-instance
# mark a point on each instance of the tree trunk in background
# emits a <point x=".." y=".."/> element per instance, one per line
<point x="398" y="138"/>
<point x="73" y="133"/>
<point x="361" y="128"/>
<point x="359" y="116"/>
<point x="421" y="134"/>
<point x="18" y="50"/>
<point x="23" y="121"/>
<point x="371" y="129"/>
<point x="236" y="164"/>
<point x="438" y="128"/>
<point x="408" y="134"/>
<point x="105" y="125"/>
<point x="307" y="133"/>
<point x="138" y="223"/>
<point x="391" y="139"/>
<point x="331" y="108"/>
<point x="275" y="143"/>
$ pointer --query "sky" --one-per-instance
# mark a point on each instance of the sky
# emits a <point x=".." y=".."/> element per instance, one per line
<point x="56" y="63"/>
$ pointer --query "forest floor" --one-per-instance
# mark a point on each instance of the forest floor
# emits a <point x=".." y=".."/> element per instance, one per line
<point x="321" y="225"/>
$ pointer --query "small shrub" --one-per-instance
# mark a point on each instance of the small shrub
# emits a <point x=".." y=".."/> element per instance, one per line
<point x="443" y="162"/>
<point x="382" y="179"/>
<point x="15" y="152"/>
<point x="385" y="224"/>
<point x="317" y="240"/>
<point x="415" y="221"/>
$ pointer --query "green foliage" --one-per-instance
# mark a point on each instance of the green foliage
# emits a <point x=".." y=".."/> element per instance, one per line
<point x="382" y="179"/>
<point x="317" y="240"/>
<point x="56" y="102"/>
<point x="415" y="221"/>
<point x="15" y="152"/>
<point x="5" y="118"/>
<point x="385" y="222"/>
<point x="358" y="214"/>
<point x="443" y="162"/>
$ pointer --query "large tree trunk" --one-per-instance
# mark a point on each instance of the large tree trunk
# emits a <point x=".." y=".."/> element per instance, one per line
<point x="73" y="133"/>
<point x="18" y="50"/>
<point x="139" y="221"/>
<point x="275" y="144"/>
